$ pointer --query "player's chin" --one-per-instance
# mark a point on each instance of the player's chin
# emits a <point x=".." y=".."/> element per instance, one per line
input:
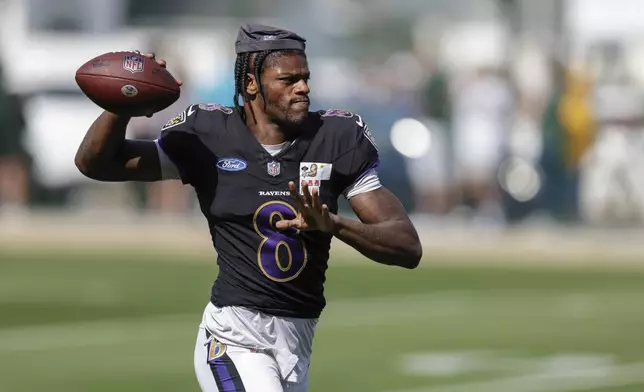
<point x="297" y="117"/>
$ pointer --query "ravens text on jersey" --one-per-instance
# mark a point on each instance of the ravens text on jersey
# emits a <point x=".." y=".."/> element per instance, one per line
<point x="243" y="191"/>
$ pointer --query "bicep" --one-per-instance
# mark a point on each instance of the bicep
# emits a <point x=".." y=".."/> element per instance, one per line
<point x="377" y="206"/>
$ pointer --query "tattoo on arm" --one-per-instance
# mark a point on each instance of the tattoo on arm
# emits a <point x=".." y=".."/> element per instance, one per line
<point x="105" y="154"/>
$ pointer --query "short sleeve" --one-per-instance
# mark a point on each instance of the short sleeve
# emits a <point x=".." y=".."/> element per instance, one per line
<point x="180" y="142"/>
<point x="362" y="158"/>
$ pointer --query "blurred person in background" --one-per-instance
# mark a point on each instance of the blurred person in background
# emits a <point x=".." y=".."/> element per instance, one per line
<point x="520" y="176"/>
<point x="271" y="225"/>
<point x="611" y="186"/>
<point x="568" y="131"/>
<point x="482" y="110"/>
<point x="14" y="160"/>
<point x="434" y="188"/>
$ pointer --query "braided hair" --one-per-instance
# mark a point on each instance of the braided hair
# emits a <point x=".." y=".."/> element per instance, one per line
<point x="247" y="62"/>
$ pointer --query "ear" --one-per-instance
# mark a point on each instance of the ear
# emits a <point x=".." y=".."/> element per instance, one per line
<point x="251" y="85"/>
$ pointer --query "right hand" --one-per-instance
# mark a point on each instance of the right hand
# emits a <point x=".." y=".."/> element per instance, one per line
<point x="311" y="213"/>
<point x="162" y="63"/>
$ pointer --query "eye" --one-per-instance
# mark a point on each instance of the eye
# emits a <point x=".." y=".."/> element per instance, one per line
<point x="294" y="79"/>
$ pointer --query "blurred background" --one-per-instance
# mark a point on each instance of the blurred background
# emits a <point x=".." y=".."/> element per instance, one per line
<point x="511" y="130"/>
<point x="499" y="112"/>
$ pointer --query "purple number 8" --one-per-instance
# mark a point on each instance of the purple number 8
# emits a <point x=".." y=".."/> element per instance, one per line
<point x="279" y="269"/>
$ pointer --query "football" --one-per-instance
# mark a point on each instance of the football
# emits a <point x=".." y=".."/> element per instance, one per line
<point x="127" y="83"/>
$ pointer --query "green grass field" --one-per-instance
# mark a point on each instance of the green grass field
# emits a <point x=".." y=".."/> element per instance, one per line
<point x="112" y="321"/>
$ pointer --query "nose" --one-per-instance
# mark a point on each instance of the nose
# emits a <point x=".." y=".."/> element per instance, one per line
<point x="302" y="88"/>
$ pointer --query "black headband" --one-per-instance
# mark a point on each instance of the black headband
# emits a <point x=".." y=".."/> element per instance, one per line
<point x="257" y="38"/>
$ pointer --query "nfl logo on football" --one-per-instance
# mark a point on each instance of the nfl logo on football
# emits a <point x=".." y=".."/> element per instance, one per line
<point x="133" y="63"/>
<point x="273" y="168"/>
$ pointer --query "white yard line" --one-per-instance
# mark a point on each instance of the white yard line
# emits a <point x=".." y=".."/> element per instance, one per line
<point x="341" y="313"/>
<point x="572" y="380"/>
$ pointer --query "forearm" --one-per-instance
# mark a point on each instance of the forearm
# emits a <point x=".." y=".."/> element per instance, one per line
<point x="391" y="242"/>
<point x="101" y="144"/>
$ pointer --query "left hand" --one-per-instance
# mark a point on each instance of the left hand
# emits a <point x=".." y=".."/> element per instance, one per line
<point x="311" y="214"/>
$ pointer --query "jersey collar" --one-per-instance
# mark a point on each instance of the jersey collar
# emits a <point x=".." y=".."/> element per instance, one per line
<point x="294" y="152"/>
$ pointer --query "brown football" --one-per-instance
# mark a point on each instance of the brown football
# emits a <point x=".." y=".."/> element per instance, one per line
<point x="127" y="83"/>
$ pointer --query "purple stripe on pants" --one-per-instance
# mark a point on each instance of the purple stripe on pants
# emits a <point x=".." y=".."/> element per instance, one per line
<point x="220" y="371"/>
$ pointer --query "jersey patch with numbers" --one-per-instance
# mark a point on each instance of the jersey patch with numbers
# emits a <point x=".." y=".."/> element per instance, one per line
<point x="243" y="192"/>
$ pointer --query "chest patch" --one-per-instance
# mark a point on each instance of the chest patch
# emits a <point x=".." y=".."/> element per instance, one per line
<point x="231" y="164"/>
<point x="313" y="173"/>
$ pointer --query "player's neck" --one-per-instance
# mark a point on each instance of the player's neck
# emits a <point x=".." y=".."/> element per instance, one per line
<point x="265" y="131"/>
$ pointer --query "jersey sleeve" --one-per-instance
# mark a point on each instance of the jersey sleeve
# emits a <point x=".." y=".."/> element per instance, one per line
<point x="357" y="167"/>
<point x="180" y="147"/>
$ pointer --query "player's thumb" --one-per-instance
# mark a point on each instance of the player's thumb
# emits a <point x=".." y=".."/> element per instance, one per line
<point x="284" y="224"/>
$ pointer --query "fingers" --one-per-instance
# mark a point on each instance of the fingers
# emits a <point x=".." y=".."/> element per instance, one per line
<point x="152" y="56"/>
<point x="299" y="201"/>
<point x="328" y="225"/>
<point x="298" y="224"/>
<point x="149" y="55"/>
<point x="326" y="214"/>
<point x="308" y="199"/>
<point x="285" y="224"/>
<point x="161" y="63"/>
<point x="315" y="199"/>
<point x="312" y="214"/>
<point x="292" y="187"/>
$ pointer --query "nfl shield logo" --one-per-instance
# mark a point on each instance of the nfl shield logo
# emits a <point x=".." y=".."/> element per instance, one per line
<point x="133" y="63"/>
<point x="273" y="168"/>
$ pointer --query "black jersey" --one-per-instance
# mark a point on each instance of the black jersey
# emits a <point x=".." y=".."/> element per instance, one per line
<point x="243" y="191"/>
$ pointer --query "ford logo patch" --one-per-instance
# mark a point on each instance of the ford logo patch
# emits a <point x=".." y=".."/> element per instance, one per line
<point x="231" y="164"/>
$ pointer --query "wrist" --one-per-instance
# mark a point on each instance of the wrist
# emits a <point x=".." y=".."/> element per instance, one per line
<point x="117" y="118"/>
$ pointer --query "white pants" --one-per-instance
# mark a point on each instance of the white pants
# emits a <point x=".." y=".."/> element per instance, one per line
<point x="239" y="350"/>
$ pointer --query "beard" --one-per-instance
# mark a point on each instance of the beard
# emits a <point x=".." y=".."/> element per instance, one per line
<point x="285" y="116"/>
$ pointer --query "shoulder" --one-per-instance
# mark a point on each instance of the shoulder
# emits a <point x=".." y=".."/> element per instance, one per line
<point x="214" y="109"/>
<point x="344" y="118"/>
<point x="199" y="117"/>
<point x="346" y="126"/>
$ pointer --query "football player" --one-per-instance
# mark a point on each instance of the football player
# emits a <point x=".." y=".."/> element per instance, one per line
<point x="271" y="214"/>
